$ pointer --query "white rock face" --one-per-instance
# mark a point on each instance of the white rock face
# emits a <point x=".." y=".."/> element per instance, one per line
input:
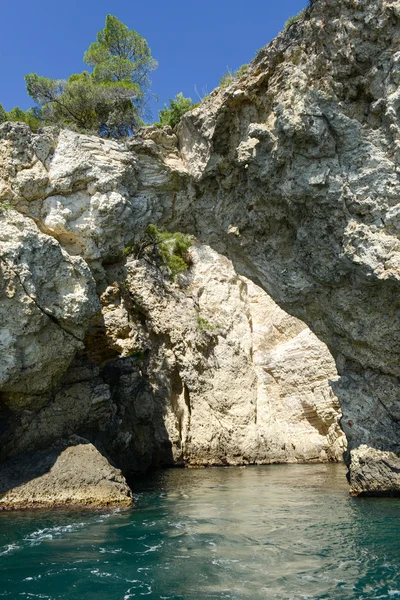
<point x="85" y="203"/>
<point x="234" y="379"/>
<point x="205" y="371"/>
<point x="218" y="381"/>
<point x="46" y="301"/>
<point x="295" y="372"/>
<point x="92" y="195"/>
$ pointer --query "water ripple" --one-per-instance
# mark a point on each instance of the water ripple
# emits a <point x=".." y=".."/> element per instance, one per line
<point x="268" y="533"/>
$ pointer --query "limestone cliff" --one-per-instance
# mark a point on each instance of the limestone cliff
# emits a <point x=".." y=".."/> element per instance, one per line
<point x="292" y="171"/>
<point x="204" y="370"/>
<point x="231" y="379"/>
<point x="296" y="177"/>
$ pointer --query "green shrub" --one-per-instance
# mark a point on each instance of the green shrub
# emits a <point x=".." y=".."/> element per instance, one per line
<point x="112" y="99"/>
<point x="163" y="249"/>
<point x="137" y="354"/>
<point x="5" y="205"/>
<point x="30" y="117"/>
<point x="176" y="265"/>
<point x="241" y="71"/>
<point x="3" y="114"/>
<point x="178" y="106"/>
<point x="230" y="77"/>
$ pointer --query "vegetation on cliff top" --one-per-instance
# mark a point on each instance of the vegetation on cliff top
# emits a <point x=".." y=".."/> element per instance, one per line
<point x="230" y="76"/>
<point x="172" y="114"/>
<point x="16" y="114"/>
<point x="112" y="99"/>
<point x="292" y="20"/>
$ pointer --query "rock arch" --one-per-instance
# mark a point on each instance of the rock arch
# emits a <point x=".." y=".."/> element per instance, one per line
<point x="292" y="171"/>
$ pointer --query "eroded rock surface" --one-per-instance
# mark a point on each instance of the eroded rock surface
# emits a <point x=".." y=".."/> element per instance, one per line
<point x="71" y="473"/>
<point x="296" y="175"/>
<point x="206" y="370"/>
<point x="47" y="299"/>
<point x="292" y="171"/>
<point x="231" y="378"/>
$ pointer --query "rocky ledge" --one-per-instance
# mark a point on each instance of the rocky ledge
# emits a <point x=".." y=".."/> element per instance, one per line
<point x="70" y="473"/>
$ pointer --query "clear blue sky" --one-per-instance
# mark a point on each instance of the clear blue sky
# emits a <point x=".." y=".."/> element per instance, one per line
<point x="194" y="42"/>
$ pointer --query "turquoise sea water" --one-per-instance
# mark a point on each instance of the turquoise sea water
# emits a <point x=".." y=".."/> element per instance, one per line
<point x="279" y="532"/>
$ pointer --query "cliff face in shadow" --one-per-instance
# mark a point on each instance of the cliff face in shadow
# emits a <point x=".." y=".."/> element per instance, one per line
<point x="291" y="171"/>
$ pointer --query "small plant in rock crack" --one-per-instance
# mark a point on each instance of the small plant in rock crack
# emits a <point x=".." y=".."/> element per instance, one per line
<point x="229" y="77"/>
<point x="163" y="249"/>
<point x="139" y="355"/>
<point x="4" y="205"/>
<point x="292" y="20"/>
<point x="204" y="325"/>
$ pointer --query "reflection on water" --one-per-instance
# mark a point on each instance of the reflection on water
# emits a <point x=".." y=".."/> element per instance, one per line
<point x="279" y="532"/>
